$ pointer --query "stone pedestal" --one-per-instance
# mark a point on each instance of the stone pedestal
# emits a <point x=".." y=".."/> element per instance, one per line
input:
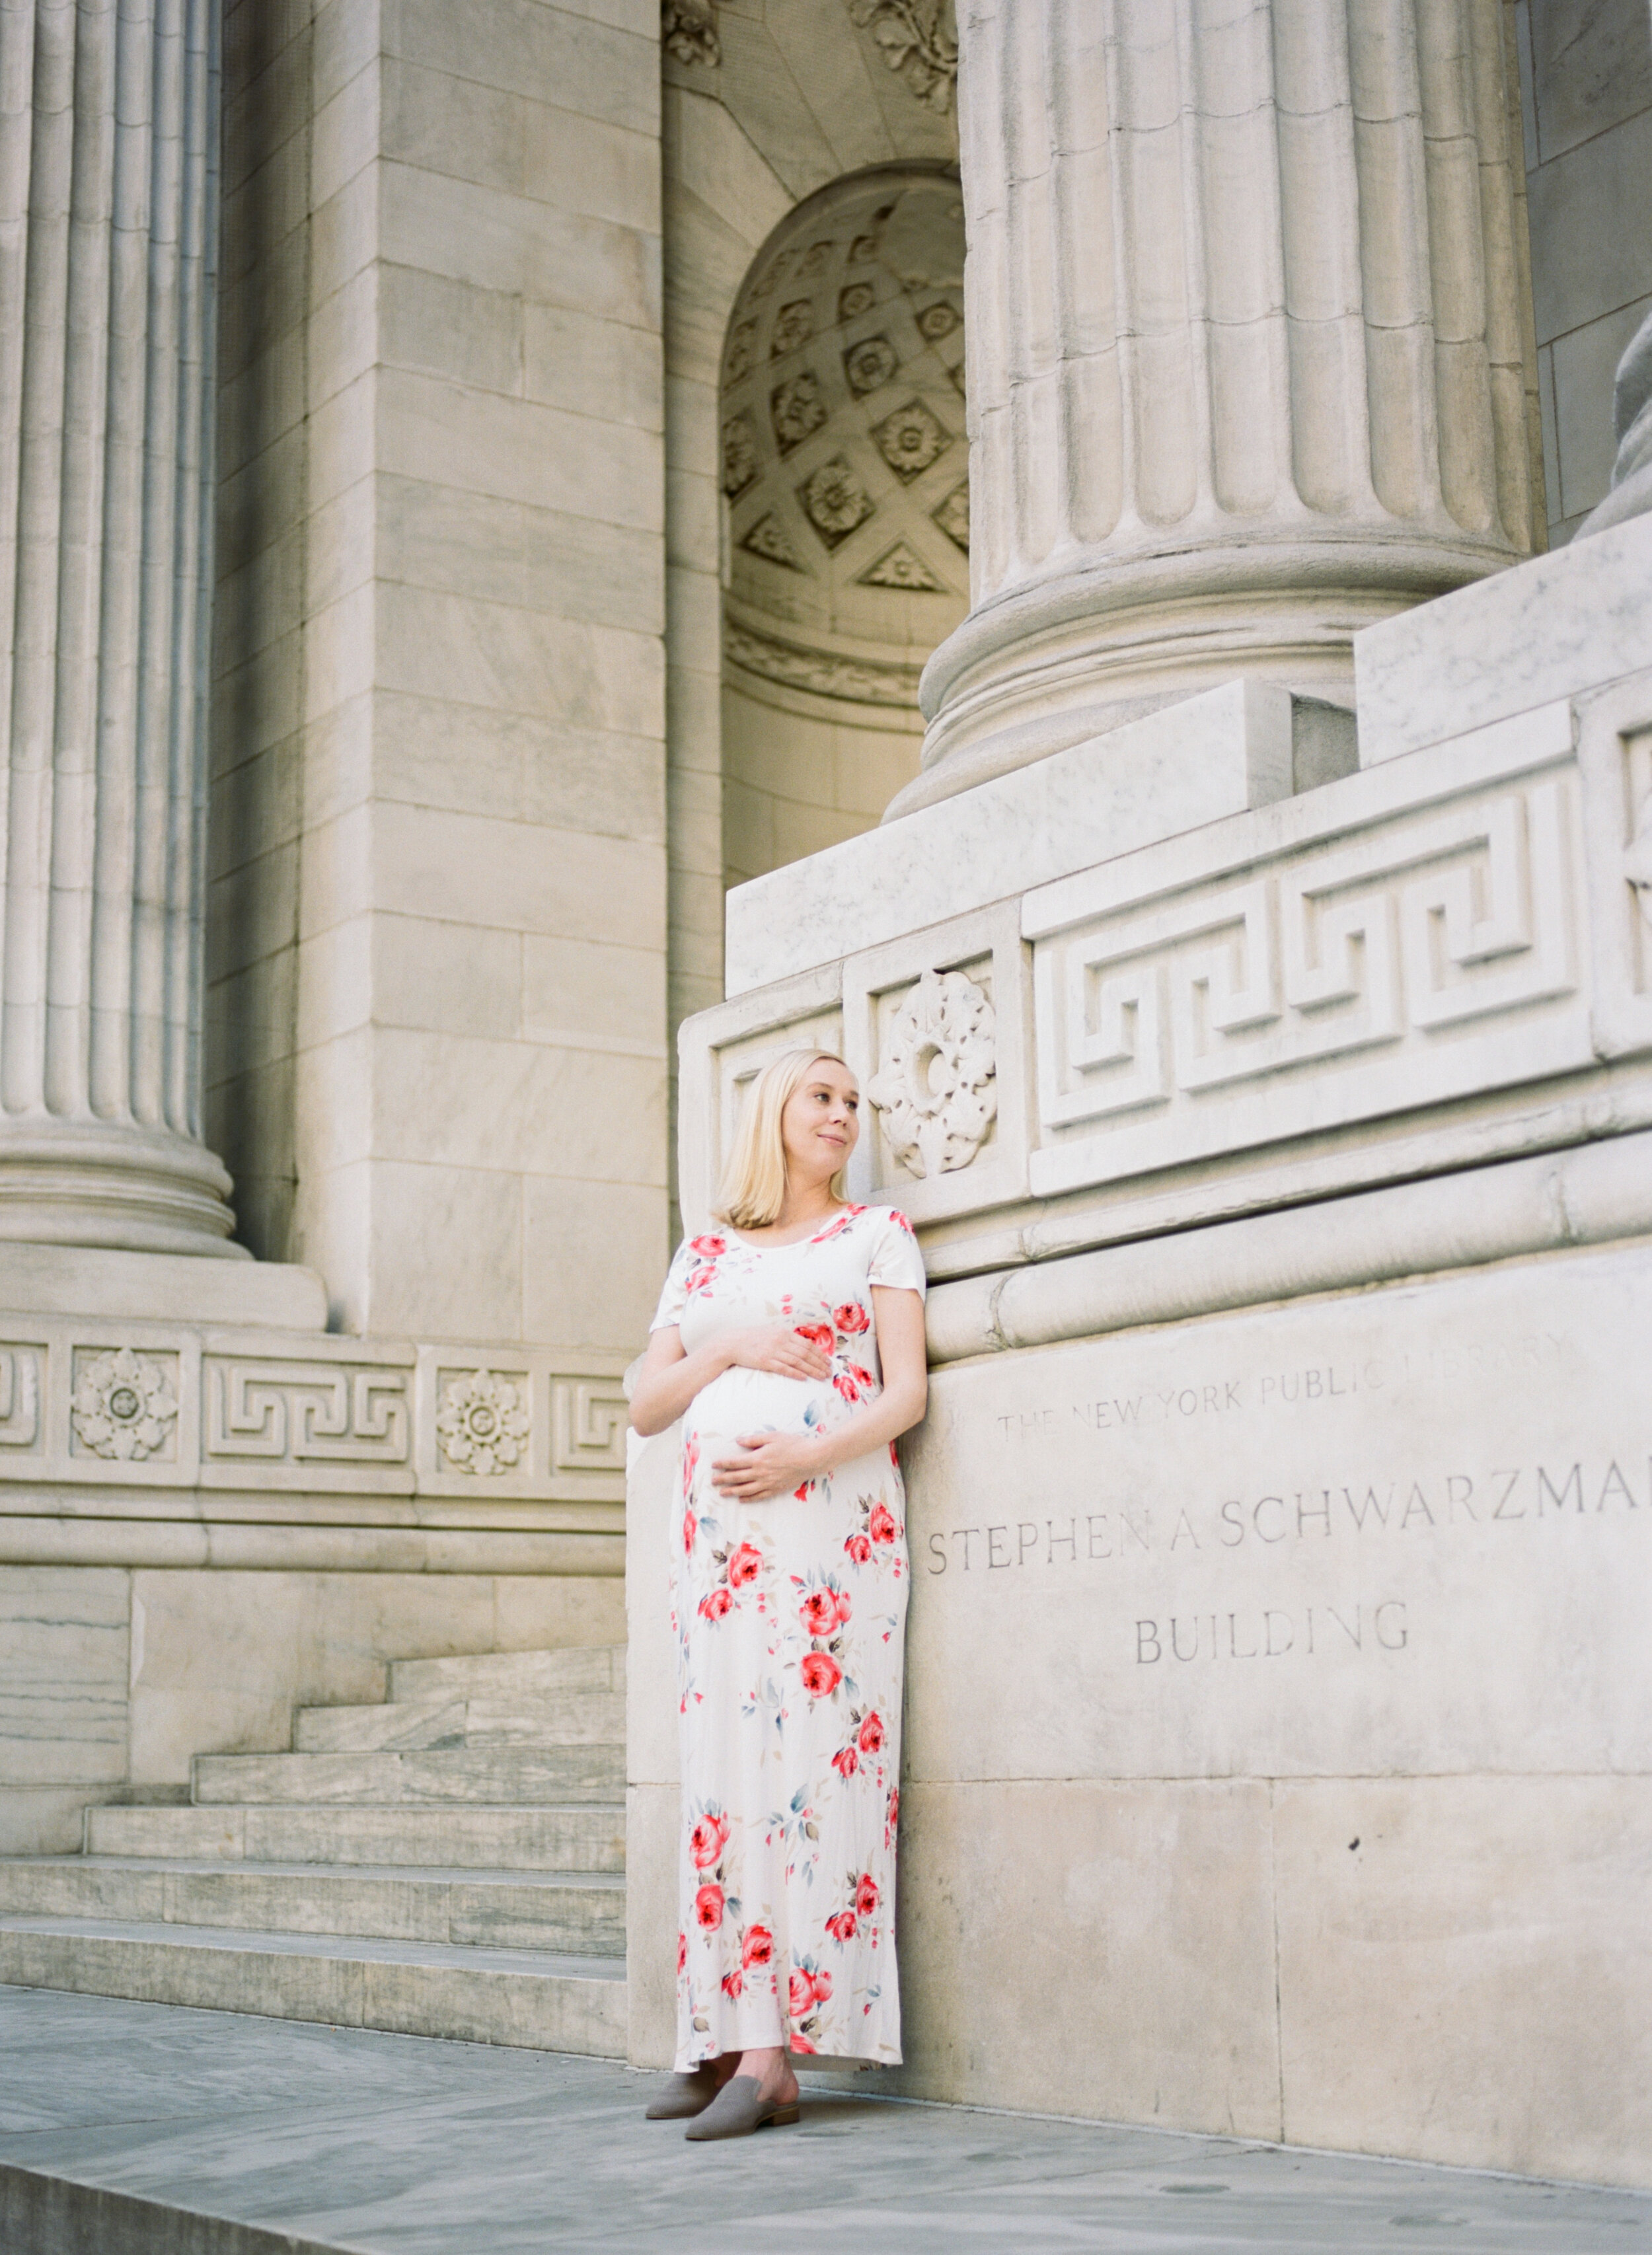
<point x="106" y="314"/>
<point x="1248" y="351"/>
<point x="1273" y="1670"/>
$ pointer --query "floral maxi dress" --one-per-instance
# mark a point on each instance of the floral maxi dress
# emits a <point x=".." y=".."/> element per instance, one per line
<point x="790" y="1618"/>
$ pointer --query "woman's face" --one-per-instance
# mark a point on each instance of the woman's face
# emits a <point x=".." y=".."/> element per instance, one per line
<point x="820" y="1122"/>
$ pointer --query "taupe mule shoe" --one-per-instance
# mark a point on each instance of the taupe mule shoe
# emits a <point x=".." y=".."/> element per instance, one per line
<point x="680" y="2096"/>
<point x="738" y="2110"/>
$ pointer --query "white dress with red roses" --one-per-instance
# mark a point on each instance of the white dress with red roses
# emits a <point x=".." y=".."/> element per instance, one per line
<point x="790" y="1618"/>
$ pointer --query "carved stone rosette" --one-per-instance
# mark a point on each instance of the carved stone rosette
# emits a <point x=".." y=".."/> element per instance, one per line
<point x="124" y="1406"/>
<point x="919" y="41"/>
<point x="484" y="1423"/>
<point x="936" y="1087"/>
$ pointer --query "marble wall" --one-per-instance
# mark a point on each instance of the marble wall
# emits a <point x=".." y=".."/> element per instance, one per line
<point x="1274" y="1750"/>
<point x="441" y="912"/>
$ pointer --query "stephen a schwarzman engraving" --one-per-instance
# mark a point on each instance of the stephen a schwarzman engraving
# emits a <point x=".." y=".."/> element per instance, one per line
<point x="1349" y="1511"/>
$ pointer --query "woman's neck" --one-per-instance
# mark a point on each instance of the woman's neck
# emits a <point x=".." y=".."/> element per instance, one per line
<point x="805" y="1202"/>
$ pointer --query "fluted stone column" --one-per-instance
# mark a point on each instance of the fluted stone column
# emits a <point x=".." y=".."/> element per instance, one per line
<point x="1247" y="349"/>
<point x="109" y="163"/>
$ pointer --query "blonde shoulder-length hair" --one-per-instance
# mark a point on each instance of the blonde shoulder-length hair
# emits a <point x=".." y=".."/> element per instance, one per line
<point x="753" y="1184"/>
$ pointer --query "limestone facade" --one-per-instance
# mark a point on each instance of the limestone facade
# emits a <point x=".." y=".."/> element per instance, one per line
<point x="480" y="481"/>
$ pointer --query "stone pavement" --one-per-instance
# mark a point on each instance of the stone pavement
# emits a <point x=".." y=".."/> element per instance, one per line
<point x="131" y="2129"/>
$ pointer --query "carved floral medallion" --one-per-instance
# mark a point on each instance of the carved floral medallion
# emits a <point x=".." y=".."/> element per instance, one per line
<point x="740" y="454"/>
<point x="834" y="501"/>
<point x="936" y="1087"/>
<point x="484" y="1423"/>
<point x="910" y="440"/>
<point x="794" y="325"/>
<point x="796" y="410"/>
<point x="919" y="41"/>
<point x="123" y="1406"/>
<point x="869" y="364"/>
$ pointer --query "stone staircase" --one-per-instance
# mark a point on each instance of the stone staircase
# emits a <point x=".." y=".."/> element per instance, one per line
<point x="450" y="1863"/>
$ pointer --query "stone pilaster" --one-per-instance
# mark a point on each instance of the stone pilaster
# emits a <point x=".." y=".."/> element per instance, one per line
<point x="1246" y="360"/>
<point x="108" y="162"/>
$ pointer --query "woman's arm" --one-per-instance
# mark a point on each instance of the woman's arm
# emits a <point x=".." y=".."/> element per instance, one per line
<point x="670" y="1378"/>
<point x="778" y="1463"/>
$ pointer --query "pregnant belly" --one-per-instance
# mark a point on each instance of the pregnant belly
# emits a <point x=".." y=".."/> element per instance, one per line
<point x="757" y="1401"/>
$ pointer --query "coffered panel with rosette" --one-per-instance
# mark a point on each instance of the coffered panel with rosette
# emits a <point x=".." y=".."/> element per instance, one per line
<point x="935" y="1028"/>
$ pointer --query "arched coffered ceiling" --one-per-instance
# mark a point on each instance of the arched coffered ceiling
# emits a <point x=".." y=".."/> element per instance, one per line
<point x="844" y="458"/>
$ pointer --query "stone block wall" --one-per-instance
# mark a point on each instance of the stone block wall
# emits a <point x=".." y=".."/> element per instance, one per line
<point x="117" y="1675"/>
<point x="440" y="918"/>
<point x="1274" y="1758"/>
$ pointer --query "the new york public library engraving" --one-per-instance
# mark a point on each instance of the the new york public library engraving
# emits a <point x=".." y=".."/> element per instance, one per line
<point x="1401" y="1500"/>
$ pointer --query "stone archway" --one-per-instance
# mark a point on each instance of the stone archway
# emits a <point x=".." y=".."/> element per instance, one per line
<point x="845" y="472"/>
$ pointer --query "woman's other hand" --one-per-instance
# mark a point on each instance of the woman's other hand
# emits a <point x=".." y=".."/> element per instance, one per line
<point x="781" y="1351"/>
<point x="774" y="1464"/>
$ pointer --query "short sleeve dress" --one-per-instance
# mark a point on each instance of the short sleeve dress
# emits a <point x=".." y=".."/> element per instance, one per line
<point x="790" y="1619"/>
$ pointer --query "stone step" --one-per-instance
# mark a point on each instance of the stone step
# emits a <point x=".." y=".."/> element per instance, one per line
<point x="570" y="1667"/>
<point x="579" y="1913"/>
<point x="550" y="1718"/>
<point x="573" y="1837"/>
<point x="532" y="1999"/>
<point x="540" y="1775"/>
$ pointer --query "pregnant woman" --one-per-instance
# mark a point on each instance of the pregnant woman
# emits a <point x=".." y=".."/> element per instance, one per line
<point x="791" y="1343"/>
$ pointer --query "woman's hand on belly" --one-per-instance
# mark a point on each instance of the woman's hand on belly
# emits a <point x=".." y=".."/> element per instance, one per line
<point x="778" y="1349"/>
<point x="771" y="1464"/>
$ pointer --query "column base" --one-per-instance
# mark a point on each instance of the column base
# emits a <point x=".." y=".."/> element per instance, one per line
<point x="133" y="1189"/>
<point x="1117" y="636"/>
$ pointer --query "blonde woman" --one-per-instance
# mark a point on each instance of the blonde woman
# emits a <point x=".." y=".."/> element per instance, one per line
<point x="791" y="1343"/>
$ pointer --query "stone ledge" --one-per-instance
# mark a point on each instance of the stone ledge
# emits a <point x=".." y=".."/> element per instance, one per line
<point x="61" y="1280"/>
<point x="304" y="1547"/>
<point x="1595" y="1194"/>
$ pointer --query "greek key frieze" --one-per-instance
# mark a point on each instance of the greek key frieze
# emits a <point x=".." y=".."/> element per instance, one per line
<point x="589" y="1417"/>
<point x="300" y="1413"/>
<point x="1419" y="930"/>
<point x="20" y="1375"/>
